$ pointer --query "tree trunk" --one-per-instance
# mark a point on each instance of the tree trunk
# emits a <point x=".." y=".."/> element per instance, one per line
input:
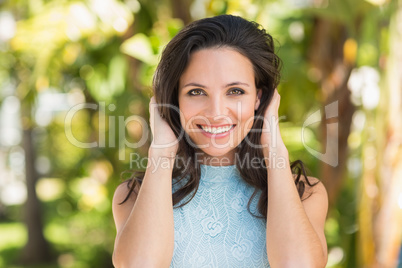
<point x="36" y="250"/>
<point x="181" y="10"/>
<point x="327" y="56"/>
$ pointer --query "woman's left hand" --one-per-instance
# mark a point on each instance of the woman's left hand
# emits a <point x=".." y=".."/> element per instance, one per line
<point x="271" y="138"/>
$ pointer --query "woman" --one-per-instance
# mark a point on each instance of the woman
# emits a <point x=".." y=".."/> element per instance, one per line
<point x="218" y="190"/>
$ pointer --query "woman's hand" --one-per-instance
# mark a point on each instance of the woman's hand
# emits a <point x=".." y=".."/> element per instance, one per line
<point x="164" y="141"/>
<point x="271" y="138"/>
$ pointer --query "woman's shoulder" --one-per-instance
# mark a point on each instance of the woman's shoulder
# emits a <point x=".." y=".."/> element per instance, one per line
<point x="124" y="198"/>
<point x="123" y="202"/>
<point x="312" y="186"/>
<point x="315" y="196"/>
<point x="315" y="187"/>
<point x="122" y="193"/>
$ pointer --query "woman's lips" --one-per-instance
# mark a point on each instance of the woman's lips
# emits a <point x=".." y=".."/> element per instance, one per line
<point x="216" y="131"/>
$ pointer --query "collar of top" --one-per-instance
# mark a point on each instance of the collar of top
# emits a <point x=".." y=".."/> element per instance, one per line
<point x="219" y="173"/>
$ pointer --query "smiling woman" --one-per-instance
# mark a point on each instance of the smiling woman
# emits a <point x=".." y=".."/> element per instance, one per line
<point x="226" y="195"/>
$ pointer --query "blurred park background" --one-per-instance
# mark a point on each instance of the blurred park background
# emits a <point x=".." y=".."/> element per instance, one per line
<point x="75" y="82"/>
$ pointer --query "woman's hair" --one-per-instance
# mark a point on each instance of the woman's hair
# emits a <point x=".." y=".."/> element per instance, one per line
<point x="253" y="42"/>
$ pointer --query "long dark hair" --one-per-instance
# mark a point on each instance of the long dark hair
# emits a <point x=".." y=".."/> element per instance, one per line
<point x="250" y="40"/>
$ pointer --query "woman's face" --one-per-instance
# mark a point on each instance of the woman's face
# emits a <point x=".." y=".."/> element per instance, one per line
<point x="217" y="100"/>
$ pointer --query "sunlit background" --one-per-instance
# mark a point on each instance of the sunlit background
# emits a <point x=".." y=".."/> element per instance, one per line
<point x="75" y="82"/>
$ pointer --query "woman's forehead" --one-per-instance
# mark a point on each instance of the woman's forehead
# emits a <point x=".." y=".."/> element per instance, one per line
<point x="217" y="65"/>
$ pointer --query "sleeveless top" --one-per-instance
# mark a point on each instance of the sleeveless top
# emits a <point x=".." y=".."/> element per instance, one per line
<point x="215" y="229"/>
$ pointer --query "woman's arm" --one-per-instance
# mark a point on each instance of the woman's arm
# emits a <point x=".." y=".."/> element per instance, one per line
<point x="144" y="223"/>
<point x="295" y="228"/>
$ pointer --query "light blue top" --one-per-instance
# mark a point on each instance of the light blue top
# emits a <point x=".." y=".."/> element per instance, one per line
<point x="215" y="229"/>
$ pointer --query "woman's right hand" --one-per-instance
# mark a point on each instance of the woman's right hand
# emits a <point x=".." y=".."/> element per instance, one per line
<point x="164" y="141"/>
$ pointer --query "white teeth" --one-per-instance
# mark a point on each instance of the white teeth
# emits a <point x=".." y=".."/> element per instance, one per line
<point x="215" y="130"/>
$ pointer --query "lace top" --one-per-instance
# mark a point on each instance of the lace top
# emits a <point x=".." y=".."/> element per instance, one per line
<point x="215" y="229"/>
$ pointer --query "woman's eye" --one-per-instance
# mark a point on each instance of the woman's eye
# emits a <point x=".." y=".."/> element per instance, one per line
<point x="236" y="91"/>
<point x="195" y="92"/>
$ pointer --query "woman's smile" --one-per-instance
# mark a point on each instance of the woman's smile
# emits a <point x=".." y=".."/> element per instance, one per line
<point x="216" y="131"/>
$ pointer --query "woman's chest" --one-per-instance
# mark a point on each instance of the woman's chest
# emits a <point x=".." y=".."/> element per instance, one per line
<point x="215" y="229"/>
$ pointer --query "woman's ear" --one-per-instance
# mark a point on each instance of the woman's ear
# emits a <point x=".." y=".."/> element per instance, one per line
<point x="257" y="101"/>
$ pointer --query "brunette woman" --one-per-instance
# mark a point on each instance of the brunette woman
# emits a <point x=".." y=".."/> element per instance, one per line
<point x="219" y="190"/>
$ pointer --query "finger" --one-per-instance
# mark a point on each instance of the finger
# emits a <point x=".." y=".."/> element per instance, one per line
<point x="273" y="106"/>
<point x="276" y="95"/>
<point x="276" y="99"/>
<point x="152" y="104"/>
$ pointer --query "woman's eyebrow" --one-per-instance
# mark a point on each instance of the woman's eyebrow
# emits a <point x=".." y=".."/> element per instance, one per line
<point x="228" y="85"/>
<point x="237" y="84"/>
<point x="194" y="85"/>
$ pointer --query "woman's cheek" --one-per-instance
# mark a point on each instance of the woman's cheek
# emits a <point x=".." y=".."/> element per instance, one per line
<point x="185" y="114"/>
<point x="247" y="117"/>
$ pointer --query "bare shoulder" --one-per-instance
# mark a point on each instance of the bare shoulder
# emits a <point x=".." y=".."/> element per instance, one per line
<point x="315" y="200"/>
<point x="121" y="210"/>
<point x="121" y="193"/>
<point x="317" y="188"/>
<point x="317" y="191"/>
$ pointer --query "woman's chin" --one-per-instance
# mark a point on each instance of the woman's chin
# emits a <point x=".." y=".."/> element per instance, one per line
<point x="219" y="153"/>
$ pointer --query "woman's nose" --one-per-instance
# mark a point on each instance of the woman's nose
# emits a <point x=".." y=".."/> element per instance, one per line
<point x="216" y="107"/>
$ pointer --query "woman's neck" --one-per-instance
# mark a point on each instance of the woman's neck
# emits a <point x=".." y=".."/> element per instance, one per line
<point x="223" y="160"/>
